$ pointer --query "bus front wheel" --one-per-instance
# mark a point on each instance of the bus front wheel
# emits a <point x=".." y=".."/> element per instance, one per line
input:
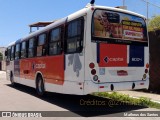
<point x="12" y="79"/>
<point x="40" y="86"/>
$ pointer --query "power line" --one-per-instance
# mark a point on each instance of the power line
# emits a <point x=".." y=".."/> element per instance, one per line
<point x="147" y="1"/>
<point x="147" y="6"/>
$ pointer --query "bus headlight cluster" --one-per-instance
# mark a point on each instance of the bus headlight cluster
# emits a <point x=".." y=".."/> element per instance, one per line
<point x="146" y="72"/>
<point x="93" y="71"/>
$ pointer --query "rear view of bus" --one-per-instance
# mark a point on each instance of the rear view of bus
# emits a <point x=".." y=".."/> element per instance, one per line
<point x="119" y="51"/>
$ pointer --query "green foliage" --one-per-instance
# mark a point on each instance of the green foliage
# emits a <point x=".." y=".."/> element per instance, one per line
<point x="142" y="101"/>
<point x="154" y="23"/>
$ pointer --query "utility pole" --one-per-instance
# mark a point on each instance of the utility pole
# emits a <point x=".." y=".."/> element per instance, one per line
<point x="147" y="1"/>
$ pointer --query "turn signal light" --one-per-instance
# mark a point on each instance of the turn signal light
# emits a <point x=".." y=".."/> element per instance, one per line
<point x="92" y="8"/>
<point x="91" y="65"/>
<point x="147" y="65"/>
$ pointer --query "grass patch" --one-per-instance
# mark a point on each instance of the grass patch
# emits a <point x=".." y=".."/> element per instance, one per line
<point x="142" y="101"/>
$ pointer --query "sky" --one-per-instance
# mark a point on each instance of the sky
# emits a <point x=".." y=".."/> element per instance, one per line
<point x="16" y="15"/>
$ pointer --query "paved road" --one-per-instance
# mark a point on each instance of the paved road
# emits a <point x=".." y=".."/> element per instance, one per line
<point x="22" y="98"/>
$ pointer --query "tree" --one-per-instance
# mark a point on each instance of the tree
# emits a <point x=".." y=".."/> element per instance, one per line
<point x="1" y="56"/>
<point x="154" y="23"/>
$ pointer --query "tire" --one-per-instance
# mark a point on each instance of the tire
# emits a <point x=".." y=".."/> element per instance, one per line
<point x="12" y="79"/>
<point x="40" y="86"/>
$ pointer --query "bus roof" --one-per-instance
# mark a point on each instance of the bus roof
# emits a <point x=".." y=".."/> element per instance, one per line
<point x="15" y="42"/>
<point x="119" y="10"/>
<point x="12" y="43"/>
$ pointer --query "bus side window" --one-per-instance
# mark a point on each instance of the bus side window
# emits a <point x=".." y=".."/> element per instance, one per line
<point x="55" y="42"/>
<point x="41" y="50"/>
<point x="74" y="36"/>
<point x="8" y="53"/>
<point x="17" y="51"/>
<point x="31" y="48"/>
<point x="24" y="49"/>
<point x="12" y="52"/>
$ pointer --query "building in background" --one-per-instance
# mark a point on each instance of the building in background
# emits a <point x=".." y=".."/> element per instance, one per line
<point x="2" y="58"/>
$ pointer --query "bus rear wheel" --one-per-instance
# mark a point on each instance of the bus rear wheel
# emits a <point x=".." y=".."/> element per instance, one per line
<point x="40" y="86"/>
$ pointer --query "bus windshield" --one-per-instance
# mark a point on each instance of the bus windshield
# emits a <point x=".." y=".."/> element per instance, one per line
<point x="118" y="27"/>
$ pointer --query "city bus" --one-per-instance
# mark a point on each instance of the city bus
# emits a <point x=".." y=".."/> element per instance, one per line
<point x="96" y="49"/>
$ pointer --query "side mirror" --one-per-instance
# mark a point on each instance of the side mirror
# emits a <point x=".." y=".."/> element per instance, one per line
<point x="6" y="53"/>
